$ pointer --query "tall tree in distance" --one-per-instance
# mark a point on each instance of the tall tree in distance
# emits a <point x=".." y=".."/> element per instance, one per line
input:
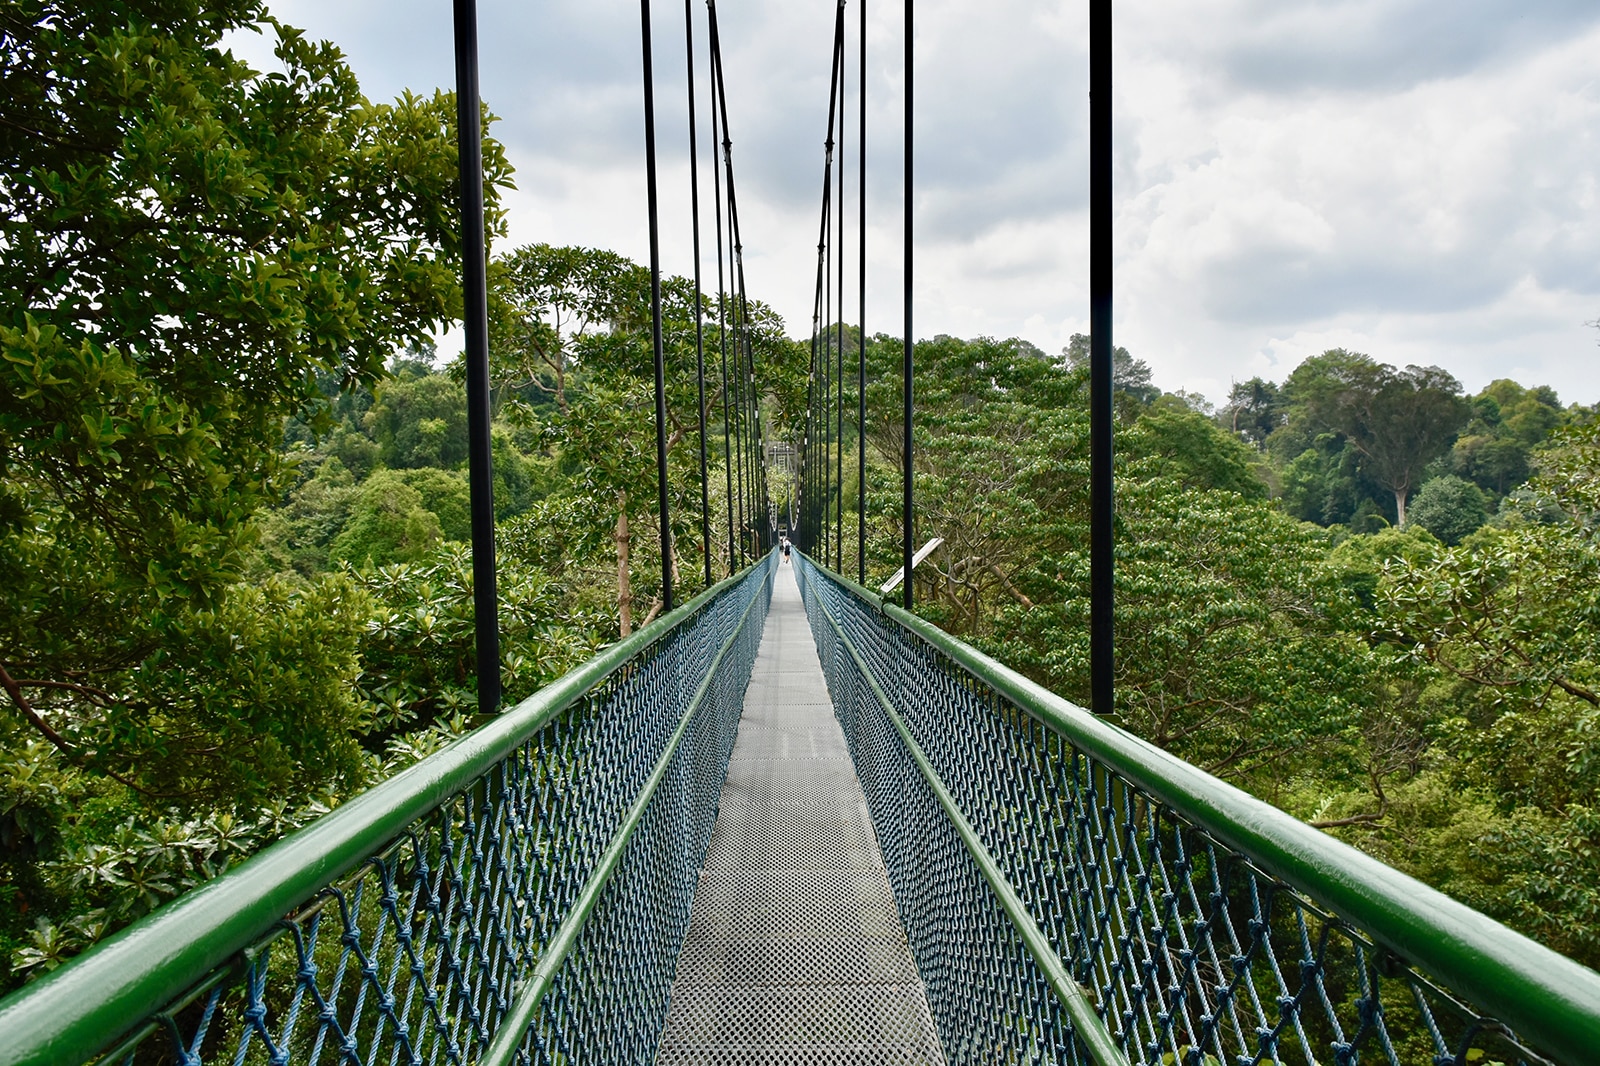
<point x="1399" y="421"/>
<point x="1253" y="411"/>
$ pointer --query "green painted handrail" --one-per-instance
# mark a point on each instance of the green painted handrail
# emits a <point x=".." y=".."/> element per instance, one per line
<point x="1551" y="1002"/>
<point x="514" y="1026"/>
<point x="75" y="1012"/>
<point x="1090" y="1028"/>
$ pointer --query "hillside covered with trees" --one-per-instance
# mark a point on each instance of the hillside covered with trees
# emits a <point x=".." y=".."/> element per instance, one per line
<point x="233" y="508"/>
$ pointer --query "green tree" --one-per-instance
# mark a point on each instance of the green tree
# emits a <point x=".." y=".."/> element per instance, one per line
<point x="1498" y="464"/>
<point x="1130" y="377"/>
<point x="1183" y="444"/>
<point x="420" y="421"/>
<point x="389" y="523"/>
<point x="1503" y="811"/>
<point x="1449" y="508"/>
<point x="187" y="245"/>
<point x="1323" y="483"/>
<point x="576" y="326"/>
<point x="297" y="536"/>
<point x="1495" y="450"/>
<point x="1228" y="646"/>
<point x="1398" y="421"/>
<point x="547" y="302"/>
<point x="418" y="650"/>
<point x="1254" y="409"/>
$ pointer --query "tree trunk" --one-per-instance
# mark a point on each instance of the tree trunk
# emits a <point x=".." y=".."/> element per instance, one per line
<point x="1400" y="507"/>
<point x="624" y="583"/>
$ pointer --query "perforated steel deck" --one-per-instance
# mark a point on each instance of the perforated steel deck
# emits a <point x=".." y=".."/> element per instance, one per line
<point x="795" y="952"/>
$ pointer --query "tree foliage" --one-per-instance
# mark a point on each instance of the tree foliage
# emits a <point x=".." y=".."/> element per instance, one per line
<point x="1398" y="421"/>
<point x="188" y="244"/>
<point x="193" y="254"/>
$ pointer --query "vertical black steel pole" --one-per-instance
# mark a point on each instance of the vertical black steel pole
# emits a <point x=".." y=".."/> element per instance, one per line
<point x="838" y="515"/>
<point x="907" y="359"/>
<point x="722" y="306"/>
<point x="827" y="366"/>
<point x="475" y="319"/>
<point x="861" y="354"/>
<point x="1101" y="497"/>
<point x="699" y="313"/>
<point x="655" y="310"/>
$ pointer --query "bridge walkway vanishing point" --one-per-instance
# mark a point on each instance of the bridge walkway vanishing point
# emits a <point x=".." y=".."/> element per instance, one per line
<point x="795" y="951"/>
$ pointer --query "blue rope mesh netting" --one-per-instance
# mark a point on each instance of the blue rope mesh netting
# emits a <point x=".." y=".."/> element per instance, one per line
<point x="1191" y="953"/>
<point x="414" y="957"/>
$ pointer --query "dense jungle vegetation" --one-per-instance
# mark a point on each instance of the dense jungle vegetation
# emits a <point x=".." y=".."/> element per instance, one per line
<point x="233" y="505"/>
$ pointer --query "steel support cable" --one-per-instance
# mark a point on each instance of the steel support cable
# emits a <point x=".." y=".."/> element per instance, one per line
<point x="699" y="311"/>
<point x="753" y="470"/>
<point x="1101" y="467"/>
<point x="475" y="320"/>
<point x="722" y="317"/>
<point x="1086" y="1022"/>
<point x="759" y="489"/>
<point x="737" y="453"/>
<point x="824" y="275"/>
<point x="758" y="440"/>
<point x="513" y="1028"/>
<point x="861" y="363"/>
<point x="828" y="376"/>
<point x="657" y="348"/>
<point x="907" y="360"/>
<point x="807" y="457"/>
<point x="742" y="421"/>
<point x="838" y="519"/>
<point x="814" y="384"/>
<point x="741" y="314"/>
<point x="741" y="460"/>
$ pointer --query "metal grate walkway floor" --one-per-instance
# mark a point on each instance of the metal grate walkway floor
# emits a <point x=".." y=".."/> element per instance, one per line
<point x="795" y="953"/>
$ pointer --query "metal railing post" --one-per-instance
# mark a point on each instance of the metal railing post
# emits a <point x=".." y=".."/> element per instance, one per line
<point x="475" y="320"/>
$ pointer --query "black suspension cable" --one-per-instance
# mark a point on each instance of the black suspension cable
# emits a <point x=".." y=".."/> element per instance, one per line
<point x="741" y="419"/>
<point x="475" y="319"/>
<point x="831" y="438"/>
<point x="741" y="453"/>
<point x="808" y="458"/>
<point x="722" y="321"/>
<point x="1101" y="467"/>
<point x="907" y="358"/>
<point x="753" y="442"/>
<point x="861" y="363"/>
<point x="838" y="513"/>
<point x="804" y="538"/>
<point x="655" y="310"/>
<point x="827" y="368"/>
<point x="741" y="344"/>
<point x="760" y="497"/>
<point x="740" y="450"/>
<point x="758" y="489"/>
<point x="699" y="311"/>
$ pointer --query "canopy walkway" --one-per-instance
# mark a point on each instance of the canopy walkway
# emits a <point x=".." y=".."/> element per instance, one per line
<point x="723" y="842"/>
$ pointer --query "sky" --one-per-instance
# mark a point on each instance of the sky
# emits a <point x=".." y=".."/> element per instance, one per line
<point x="1414" y="179"/>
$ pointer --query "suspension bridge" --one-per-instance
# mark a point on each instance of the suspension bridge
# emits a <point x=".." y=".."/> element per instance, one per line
<point x="791" y="822"/>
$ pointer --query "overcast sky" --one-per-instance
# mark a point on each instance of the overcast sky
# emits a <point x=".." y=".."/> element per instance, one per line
<point x="1415" y="179"/>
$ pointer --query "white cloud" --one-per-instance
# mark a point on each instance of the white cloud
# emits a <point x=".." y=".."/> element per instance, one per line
<point x="1413" y="179"/>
